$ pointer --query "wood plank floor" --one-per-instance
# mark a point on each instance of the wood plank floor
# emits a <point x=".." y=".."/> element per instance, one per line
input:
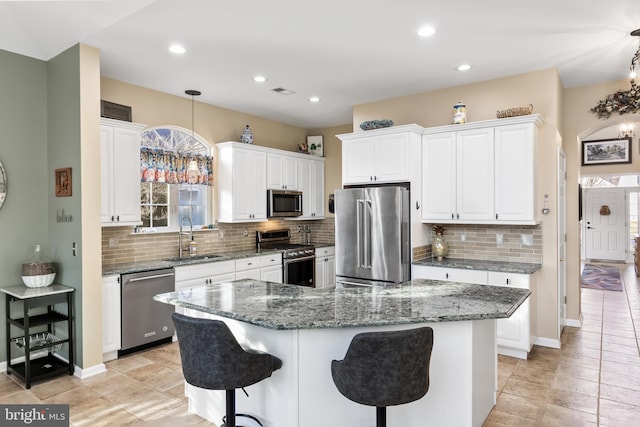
<point x="594" y="380"/>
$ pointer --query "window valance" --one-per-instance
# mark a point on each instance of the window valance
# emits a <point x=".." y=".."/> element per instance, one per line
<point x="158" y="165"/>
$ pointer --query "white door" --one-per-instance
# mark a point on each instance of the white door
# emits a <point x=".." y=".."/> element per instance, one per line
<point x="562" y="241"/>
<point x="605" y="230"/>
<point x="475" y="175"/>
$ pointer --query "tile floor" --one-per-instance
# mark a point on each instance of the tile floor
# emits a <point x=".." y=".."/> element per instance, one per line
<point x="594" y="380"/>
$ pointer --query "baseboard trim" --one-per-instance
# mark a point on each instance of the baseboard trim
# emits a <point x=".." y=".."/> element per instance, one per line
<point x="575" y="323"/>
<point x="547" y="342"/>
<point x="520" y="354"/>
<point x="83" y="373"/>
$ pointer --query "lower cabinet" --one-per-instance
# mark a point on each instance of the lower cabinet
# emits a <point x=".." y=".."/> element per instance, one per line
<point x="202" y="274"/>
<point x="264" y="267"/>
<point x="513" y="333"/>
<point x="111" y="332"/>
<point x="326" y="267"/>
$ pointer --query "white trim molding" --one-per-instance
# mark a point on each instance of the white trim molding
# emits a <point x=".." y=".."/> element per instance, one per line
<point x="83" y="373"/>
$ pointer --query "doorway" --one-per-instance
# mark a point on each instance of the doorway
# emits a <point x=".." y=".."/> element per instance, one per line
<point x="605" y="231"/>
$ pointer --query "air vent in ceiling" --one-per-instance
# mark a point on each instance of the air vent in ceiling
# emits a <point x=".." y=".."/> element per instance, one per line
<point x="283" y="91"/>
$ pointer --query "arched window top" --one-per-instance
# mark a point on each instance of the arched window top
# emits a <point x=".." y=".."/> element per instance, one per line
<point x="175" y="138"/>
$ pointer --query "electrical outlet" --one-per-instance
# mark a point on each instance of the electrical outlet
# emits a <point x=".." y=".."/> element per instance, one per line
<point x="499" y="238"/>
<point x="113" y="242"/>
<point x="246" y="233"/>
<point x="527" y="239"/>
<point x="463" y="237"/>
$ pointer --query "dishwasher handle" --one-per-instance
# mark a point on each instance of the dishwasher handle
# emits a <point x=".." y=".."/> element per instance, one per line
<point x="155" y="276"/>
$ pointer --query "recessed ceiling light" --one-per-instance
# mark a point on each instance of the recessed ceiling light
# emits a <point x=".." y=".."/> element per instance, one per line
<point x="314" y="99"/>
<point x="426" y="31"/>
<point x="464" y="67"/>
<point x="259" y="79"/>
<point x="176" y="48"/>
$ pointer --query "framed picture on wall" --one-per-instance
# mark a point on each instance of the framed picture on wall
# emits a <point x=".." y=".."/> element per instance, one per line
<point x="315" y="145"/>
<point x="606" y="151"/>
<point x="63" y="182"/>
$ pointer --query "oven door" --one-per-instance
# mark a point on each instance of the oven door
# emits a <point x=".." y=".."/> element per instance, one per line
<point x="300" y="271"/>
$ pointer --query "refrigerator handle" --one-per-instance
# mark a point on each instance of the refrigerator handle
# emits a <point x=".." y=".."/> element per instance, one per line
<point x="367" y="234"/>
<point x="359" y="208"/>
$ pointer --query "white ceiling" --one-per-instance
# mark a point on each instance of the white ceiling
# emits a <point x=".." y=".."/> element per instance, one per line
<point x="347" y="52"/>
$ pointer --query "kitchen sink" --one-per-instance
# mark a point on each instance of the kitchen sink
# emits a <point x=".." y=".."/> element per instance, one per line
<point x="197" y="258"/>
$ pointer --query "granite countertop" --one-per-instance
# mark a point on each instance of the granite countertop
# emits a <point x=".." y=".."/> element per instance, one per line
<point x="280" y="306"/>
<point x="136" y="267"/>
<point x="482" y="265"/>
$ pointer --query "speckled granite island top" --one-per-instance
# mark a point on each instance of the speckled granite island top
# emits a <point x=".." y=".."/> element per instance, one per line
<point x="482" y="265"/>
<point x="279" y="306"/>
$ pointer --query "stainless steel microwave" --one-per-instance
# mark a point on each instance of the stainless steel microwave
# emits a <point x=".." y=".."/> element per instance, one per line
<point x="284" y="203"/>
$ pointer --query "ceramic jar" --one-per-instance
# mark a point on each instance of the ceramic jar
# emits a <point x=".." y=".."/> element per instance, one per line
<point x="459" y="113"/>
<point x="247" y="135"/>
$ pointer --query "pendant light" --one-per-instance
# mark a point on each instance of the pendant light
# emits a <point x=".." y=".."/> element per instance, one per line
<point x="635" y="61"/>
<point x="193" y="172"/>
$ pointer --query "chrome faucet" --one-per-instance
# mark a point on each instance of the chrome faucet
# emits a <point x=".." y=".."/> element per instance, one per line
<point x="181" y="233"/>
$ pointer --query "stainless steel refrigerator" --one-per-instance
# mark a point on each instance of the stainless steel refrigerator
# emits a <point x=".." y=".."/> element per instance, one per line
<point x="372" y="236"/>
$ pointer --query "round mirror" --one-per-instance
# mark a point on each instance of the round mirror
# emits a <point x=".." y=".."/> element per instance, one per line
<point x="3" y="185"/>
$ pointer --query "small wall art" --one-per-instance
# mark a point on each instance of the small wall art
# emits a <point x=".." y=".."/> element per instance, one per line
<point x="606" y="151"/>
<point x="316" y="145"/>
<point x="63" y="182"/>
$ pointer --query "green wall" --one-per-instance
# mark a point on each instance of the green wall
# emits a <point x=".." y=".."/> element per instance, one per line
<point x="23" y="152"/>
<point x="40" y="132"/>
<point x="63" y="142"/>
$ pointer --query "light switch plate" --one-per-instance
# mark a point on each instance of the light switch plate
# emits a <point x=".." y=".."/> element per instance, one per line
<point x="113" y="242"/>
<point x="499" y="238"/>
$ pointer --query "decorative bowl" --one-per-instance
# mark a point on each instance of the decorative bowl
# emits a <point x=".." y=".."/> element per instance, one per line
<point x="376" y="124"/>
<point x="39" y="281"/>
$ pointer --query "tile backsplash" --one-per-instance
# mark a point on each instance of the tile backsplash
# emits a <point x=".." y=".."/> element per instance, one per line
<point x="120" y="245"/>
<point x="515" y="243"/>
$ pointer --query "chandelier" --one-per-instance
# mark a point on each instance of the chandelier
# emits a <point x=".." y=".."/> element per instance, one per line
<point x="623" y="101"/>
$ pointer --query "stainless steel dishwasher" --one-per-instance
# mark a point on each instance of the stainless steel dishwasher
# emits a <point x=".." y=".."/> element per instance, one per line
<point x="146" y="322"/>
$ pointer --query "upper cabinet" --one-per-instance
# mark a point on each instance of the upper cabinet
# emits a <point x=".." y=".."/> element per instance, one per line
<point x="282" y="172"/>
<point x="481" y="172"/>
<point x="379" y="156"/>
<point x="311" y="183"/>
<point x="242" y="183"/>
<point x="120" y="170"/>
<point x="246" y="171"/>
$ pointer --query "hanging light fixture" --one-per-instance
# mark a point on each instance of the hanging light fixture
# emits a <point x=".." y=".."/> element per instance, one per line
<point x="635" y="61"/>
<point x="193" y="171"/>
<point x="622" y="101"/>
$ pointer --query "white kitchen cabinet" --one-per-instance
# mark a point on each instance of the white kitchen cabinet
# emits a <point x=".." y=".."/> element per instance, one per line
<point x="311" y="183"/>
<point x="514" y="333"/>
<point x="282" y="172"/>
<point x="482" y="172"/>
<point x="248" y="268"/>
<point x="242" y="188"/>
<point x="120" y="172"/>
<point x="271" y="267"/>
<point x="379" y="156"/>
<point x="515" y="160"/>
<point x="326" y="267"/>
<point x="111" y="335"/>
<point x="207" y="273"/>
<point x="449" y="274"/>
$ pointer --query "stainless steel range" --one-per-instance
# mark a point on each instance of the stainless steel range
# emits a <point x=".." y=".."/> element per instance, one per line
<point x="298" y="260"/>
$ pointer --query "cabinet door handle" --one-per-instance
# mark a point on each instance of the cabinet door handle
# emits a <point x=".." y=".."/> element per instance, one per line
<point x="496" y="216"/>
<point x="457" y="216"/>
<point x="446" y="275"/>
<point x="507" y="280"/>
<point x="113" y="218"/>
<point x="370" y="178"/>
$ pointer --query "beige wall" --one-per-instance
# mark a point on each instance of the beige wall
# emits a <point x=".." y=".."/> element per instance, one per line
<point x="579" y="124"/>
<point x="542" y="89"/>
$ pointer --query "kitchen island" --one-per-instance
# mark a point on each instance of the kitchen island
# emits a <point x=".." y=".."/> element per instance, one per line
<point x="307" y="328"/>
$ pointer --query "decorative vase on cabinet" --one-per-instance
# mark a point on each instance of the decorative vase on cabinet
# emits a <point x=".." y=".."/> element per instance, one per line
<point x="439" y="246"/>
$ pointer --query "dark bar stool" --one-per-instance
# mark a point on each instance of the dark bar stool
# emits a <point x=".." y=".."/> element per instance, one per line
<point x="385" y="369"/>
<point x="212" y="359"/>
